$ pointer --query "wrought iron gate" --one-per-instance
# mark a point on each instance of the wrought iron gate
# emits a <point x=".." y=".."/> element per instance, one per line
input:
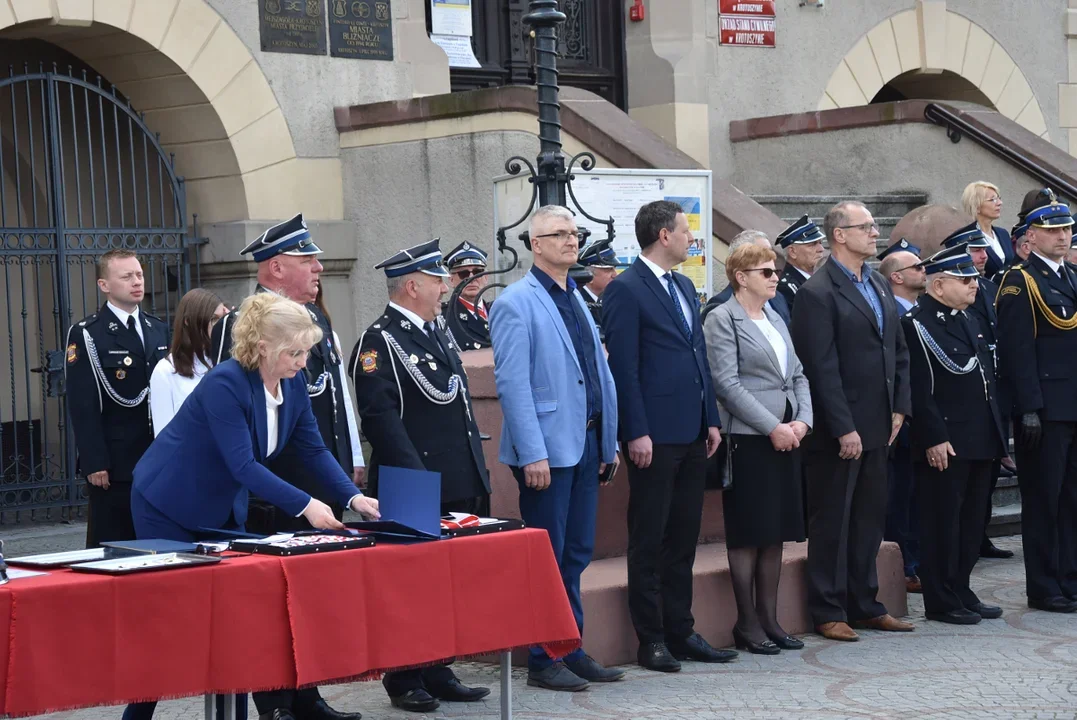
<point x="81" y="174"/>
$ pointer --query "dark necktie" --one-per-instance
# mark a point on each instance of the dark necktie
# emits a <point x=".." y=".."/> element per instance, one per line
<point x="133" y="329"/>
<point x="668" y="277"/>
<point x="431" y="330"/>
<point x="1064" y="273"/>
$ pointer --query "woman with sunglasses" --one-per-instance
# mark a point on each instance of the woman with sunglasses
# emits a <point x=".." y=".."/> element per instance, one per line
<point x="469" y="321"/>
<point x="766" y="410"/>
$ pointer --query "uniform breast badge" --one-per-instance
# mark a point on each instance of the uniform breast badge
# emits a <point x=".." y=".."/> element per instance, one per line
<point x="121" y="374"/>
<point x="414" y="358"/>
<point x="433" y="365"/>
<point x="368" y="359"/>
<point x="405" y="324"/>
<point x="113" y="326"/>
<point x="127" y="361"/>
<point x="72" y="354"/>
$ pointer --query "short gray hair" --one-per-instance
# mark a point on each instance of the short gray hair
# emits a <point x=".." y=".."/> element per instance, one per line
<point x="838" y="216"/>
<point x="747" y="237"/>
<point x="395" y="284"/>
<point x="549" y="211"/>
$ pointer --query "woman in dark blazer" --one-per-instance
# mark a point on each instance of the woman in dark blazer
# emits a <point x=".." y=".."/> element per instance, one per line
<point x="983" y="201"/>
<point x="199" y="471"/>
<point x="766" y="409"/>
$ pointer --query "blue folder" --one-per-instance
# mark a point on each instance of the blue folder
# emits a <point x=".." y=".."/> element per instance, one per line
<point x="409" y="502"/>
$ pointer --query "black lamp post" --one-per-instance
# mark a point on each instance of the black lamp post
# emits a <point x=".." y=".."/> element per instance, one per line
<point x="550" y="176"/>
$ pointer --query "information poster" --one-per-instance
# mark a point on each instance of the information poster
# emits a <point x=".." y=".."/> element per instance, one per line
<point x="619" y="193"/>
<point x="451" y="30"/>
<point x="746" y="23"/>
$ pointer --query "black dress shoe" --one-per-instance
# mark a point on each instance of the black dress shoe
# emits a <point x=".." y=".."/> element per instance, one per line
<point x="987" y="612"/>
<point x="417" y="700"/>
<point x="590" y="670"/>
<point x="1053" y="604"/>
<point x="456" y="691"/>
<point x="320" y="710"/>
<point x="694" y="647"/>
<point x="278" y="714"/>
<point x="755" y="648"/>
<point x="656" y="656"/>
<point x="786" y="642"/>
<point x="961" y="616"/>
<point x="557" y="677"/>
<point x="989" y="550"/>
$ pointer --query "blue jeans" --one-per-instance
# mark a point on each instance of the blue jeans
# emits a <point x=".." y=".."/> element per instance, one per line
<point x="566" y="510"/>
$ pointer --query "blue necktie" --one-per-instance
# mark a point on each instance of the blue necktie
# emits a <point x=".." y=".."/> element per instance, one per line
<point x="668" y="277"/>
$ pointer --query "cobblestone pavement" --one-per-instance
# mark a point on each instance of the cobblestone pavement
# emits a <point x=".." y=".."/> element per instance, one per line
<point x="1023" y="666"/>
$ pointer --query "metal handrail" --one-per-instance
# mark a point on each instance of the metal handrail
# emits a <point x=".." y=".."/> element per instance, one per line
<point x="956" y="126"/>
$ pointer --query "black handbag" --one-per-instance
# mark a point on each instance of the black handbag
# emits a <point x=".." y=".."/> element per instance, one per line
<point x="720" y="468"/>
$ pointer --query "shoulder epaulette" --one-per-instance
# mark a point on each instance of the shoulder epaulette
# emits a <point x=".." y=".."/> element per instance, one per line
<point x="87" y="320"/>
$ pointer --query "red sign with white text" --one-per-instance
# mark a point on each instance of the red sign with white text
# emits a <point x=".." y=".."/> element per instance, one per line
<point x="747" y="7"/>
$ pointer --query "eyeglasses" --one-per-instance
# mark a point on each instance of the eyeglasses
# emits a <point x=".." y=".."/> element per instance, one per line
<point x="465" y="274"/>
<point x="562" y="235"/>
<point x="863" y="227"/>
<point x="964" y="280"/>
<point x="918" y="267"/>
<point x="768" y="273"/>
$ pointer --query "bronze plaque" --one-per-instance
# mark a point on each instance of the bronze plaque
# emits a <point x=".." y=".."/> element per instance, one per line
<point x="361" y="29"/>
<point x="292" y="26"/>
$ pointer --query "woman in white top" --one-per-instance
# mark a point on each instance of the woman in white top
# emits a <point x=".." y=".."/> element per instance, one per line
<point x="765" y="405"/>
<point x="176" y="376"/>
<point x="983" y="201"/>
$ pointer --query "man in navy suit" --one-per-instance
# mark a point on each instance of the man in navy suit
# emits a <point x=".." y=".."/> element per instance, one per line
<point x="669" y="421"/>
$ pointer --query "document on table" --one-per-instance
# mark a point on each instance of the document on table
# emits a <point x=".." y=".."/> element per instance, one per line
<point x="17" y="573"/>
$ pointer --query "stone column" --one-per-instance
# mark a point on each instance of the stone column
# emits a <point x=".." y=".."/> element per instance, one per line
<point x="669" y="59"/>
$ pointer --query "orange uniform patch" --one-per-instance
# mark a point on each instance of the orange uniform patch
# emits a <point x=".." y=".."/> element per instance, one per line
<point x="72" y="354"/>
<point x="369" y="360"/>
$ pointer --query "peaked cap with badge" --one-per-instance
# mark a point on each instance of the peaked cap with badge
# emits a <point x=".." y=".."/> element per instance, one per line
<point x="325" y="382"/>
<point x="802" y="232"/>
<point x="108" y="368"/>
<point x="468" y="322"/>
<point x="465" y="255"/>
<point x="412" y="393"/>
<point x="970" y="235"/>
<point x="901" y="245"/>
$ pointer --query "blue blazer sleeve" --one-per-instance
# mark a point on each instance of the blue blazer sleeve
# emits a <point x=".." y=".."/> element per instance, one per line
<point x="226" y="411"/>
<point x="511" y="337"/>
<point x="308" y="439"/>
<point x="620" y="321"/>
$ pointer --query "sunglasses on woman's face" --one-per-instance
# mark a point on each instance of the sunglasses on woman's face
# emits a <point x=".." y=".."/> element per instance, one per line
<point x="465" y="274"/>
<point x="768" y="273"/>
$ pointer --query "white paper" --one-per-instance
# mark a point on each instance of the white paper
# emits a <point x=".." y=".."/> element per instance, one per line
<point x="451" y="17"/>
<point x="458" y="49"/>
<point x="17" y="573"/>
<point x="617" y="197"/>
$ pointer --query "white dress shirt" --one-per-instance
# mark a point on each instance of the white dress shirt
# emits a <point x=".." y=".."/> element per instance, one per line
<point x="996" y="246"/>
<point x="777" y="342"/>
<point x="122" y="315"/>
<point x="661" y="275"/>
<point x="349" y="411"/>
<point x="273" y="403"/>
<point x="1050" y="263"/>
<point x="168" y="390"/>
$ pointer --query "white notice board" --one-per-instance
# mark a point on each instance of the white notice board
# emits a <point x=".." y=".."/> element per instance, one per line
<point x="617" y="192"/>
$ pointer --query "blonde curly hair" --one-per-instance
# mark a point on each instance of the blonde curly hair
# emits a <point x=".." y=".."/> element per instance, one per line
<point x="275" y="320"/>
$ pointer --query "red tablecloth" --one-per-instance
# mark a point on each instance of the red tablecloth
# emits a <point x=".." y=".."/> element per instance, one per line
<point x="258" y="622"/>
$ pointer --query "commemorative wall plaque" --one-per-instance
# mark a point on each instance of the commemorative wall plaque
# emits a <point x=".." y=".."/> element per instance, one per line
<point x="361" y="29"/>
<point x="292" y="26"/>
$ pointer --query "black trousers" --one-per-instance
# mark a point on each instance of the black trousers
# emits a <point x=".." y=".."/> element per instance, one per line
<point x="1048" y="481"/>
<point x="665" y="509"/>
<point x="902" y="519"/>
<point x="846" y="516"/>
<point x="951" y="528"/>
<point x="109" y="516"/>
<point x="437" y="676"/>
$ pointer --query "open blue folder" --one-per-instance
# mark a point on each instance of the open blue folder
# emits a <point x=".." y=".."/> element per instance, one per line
<point x="410" y="505"/>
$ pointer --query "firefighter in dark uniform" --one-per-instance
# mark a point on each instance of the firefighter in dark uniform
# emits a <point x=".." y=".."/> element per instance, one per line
<point x="983" y="309"/>
<point x="1037" y="344"/>
<point x="1020" y="251"/>
<point x="110" y="357"/>
<point x="802" y="243"/>
<point x="957" y="434"/>
<point x="469" y="317"/>
<point x="415" y="409"/>
<point x="288" y="264"/>
<point x="600" y="258"/>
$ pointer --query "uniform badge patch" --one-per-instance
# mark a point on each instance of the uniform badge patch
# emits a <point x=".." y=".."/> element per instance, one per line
<point x="369" y="360"/>
<point x="414" y="358"/>
<point x="72" y="354"/>
<point x="121" y="374"/>
<point x="433" y="366"/>
<point x="405" y="324"/>
<point x="1010" y="290"/>
<point x="127" y="361"/>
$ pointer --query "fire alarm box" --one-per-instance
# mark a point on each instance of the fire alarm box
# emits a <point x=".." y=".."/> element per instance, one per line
<point x="636" y="13"/>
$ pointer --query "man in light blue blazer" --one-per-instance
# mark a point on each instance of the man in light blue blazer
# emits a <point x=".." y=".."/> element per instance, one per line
<point x="560" y="419"/>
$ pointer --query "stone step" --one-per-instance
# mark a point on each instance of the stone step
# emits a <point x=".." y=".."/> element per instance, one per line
<point x="610" y="638"/>
<point x="1007" y="492"/>
<point x="815" y="206"/>
<point x="1005" y="520"/>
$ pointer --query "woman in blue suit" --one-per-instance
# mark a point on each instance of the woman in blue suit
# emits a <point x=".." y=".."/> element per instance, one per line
<point x="983" y="201"/>
<point x="199" y="471"/>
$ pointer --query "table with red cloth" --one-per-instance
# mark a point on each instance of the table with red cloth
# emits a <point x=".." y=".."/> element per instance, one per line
<point x="262" y="622"/>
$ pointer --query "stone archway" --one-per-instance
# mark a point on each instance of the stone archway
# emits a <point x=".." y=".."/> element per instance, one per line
<point x="202" y="90"/>
<point x="932" y="39"/>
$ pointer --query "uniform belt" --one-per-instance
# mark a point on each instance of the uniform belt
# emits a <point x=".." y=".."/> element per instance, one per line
<point x="594" y="422"/>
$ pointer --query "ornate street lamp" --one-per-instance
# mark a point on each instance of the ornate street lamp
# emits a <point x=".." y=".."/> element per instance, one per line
<point x="550" y="176"/>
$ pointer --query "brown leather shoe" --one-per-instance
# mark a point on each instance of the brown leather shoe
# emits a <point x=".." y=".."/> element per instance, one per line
<point x="885" y="622"/>
<point x="837" y="631"/>
<point x="912" y="584"/>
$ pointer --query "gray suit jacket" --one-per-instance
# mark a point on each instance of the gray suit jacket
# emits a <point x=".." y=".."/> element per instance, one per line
<point x="751" y="389"/>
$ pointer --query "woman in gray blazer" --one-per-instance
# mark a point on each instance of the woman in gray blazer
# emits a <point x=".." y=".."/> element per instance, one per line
<point x="765" y="407"/>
